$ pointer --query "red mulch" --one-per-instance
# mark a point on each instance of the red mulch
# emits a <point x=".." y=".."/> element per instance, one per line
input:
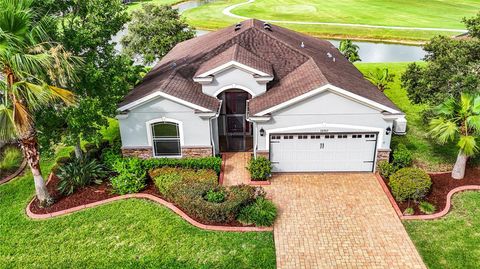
<point x="97" y="193"/>
<point x="442" y="184"/>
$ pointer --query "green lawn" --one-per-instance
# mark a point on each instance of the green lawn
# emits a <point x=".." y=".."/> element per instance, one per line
<point x="409" y="13"/>
<point x="124" y="234"/>
<point x="452" y="241"/>
<point x="138" y="4"/>
<point x="427" y="154"/>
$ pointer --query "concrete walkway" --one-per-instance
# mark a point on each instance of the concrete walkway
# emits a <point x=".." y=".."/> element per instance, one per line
<point x="228" y="12"/>
<point x="338" y="221"/>
<point x="235" y="172"/>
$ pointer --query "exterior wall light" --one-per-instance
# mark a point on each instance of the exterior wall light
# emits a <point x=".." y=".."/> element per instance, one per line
<point x="262" y="132"/>
<point x="388" y="130"/>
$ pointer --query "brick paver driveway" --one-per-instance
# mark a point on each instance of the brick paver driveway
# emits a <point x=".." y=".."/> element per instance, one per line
<point x="338" y="221"/>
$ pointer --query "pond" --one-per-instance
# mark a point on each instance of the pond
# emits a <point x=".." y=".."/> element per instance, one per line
<point x="370" y="52"/>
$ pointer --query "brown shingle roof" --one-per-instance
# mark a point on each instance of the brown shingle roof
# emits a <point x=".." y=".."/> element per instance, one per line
<point x="296" y="69"/>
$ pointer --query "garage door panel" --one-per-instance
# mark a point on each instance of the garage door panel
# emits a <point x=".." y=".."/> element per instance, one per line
<point x="323" y="152"/>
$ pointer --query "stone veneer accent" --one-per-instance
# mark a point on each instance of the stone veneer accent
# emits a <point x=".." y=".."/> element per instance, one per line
<point x="187" y="152"/>
<point x="383" y="155"/>
<point x="140" y="152"/>
<point x="264" y="153"/>
<point x="196" y="152"/>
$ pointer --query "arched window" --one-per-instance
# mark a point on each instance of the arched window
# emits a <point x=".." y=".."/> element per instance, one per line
<point x="166" y="139"/>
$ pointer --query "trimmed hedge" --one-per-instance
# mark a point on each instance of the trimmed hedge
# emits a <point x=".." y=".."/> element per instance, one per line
<point x="260" y="168"/>
<point x="410" y="184"/>
<point x="214" y="163"/>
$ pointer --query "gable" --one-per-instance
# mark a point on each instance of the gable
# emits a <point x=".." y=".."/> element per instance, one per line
<point x="234" y="78"/>
<point x="326" y="103"/>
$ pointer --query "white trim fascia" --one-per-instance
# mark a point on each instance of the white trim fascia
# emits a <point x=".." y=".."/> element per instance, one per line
<point x="230" y="64"/>
<point x="150" y="139"/>
<point x="263" y="79"/>
<point x="327" y="125"/>
<point x="234" y="86"/>
<point x="393" y="116"/>
<point x="121" y="116"/>
<point x="333" y="89"/>
<point x="164" y="95"/>
<point x="259" y="118"/>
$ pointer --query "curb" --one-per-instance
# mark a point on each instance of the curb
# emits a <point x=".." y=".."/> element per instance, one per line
<point x="149" y="197"/>
<point x="17" y="173"/>
<point x="424" y="217"/>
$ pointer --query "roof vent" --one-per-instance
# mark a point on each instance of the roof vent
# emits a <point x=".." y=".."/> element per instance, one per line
<point x="267" y="26"/>
<point x="238" y="26"/>
<point x="302" y="45"/>
<point x="329" y="55"/>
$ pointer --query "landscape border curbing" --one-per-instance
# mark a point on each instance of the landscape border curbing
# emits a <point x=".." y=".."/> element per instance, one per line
<point x="438" y="215"/>
<point x="22" y="167"/>
<point x="150" y="197"/>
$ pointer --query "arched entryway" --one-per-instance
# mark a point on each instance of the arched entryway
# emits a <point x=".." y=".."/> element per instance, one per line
<point x="234" y="131"/>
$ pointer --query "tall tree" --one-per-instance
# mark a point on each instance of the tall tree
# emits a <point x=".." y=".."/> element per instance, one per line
<point x="86" y="29"/>
<point x="154" y="31"/>
<point x="349" y="50"/>
<point x="452" y="67"/>
<point x="458" y="120"/>
<point x="28" y="60"/>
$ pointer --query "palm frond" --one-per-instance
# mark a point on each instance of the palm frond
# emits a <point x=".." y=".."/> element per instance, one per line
<point x="468" y="145"/>
<point x="7" y="130"/>
<point x="474" y="123"/>
<point x="443" y="130"/>
<point x="447" y="109"/>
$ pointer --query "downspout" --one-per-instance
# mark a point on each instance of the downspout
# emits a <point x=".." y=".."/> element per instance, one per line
<point x="212" y="140"/>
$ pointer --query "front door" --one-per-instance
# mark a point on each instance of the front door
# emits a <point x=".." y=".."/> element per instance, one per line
<point x="236" y="128"/>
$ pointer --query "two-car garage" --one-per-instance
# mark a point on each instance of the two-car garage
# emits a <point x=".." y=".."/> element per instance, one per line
<point x="323" y="152"/>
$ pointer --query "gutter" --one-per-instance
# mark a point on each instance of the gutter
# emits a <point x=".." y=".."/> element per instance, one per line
<point x="212" y="141"/>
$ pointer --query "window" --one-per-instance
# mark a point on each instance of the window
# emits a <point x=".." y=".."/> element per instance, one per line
<point x="329" y="136"/>
<point x="315" y="137"/>
<point x="357" y="136"/>
<point x="276" y="137"/>
<point x="369" y="136"/>
<point x="166" y="139"/>
<point x="303" y="137"/>
<point x="288" y="137"/>
<point x="342" y="136"/>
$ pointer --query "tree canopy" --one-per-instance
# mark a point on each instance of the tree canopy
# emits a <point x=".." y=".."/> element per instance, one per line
<point x="452" y="67"/>
<point x="154" y="31"/>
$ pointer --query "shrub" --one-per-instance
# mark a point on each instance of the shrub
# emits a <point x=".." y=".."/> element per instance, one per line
<point x="386" y="169"/>
<point x="427" y="207"/>
<point x="410" y="183"/>
<point x="408" y="211"/>
<point x="78" y="174"/>
<point x="166" y="182"/>
<point x="261" y="213"/>
<point x="11" y="158"/>
<point x="260" y="168"/>
<point x="130" y="176"/>
<point x="64" y="160"/>
<point x="214" y="163"/>
<point x="402" y="157"/>
<point x="215" y="195"/>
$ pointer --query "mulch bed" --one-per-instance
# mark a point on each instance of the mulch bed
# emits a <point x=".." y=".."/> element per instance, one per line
<point x="97" y="193"/>
<point x="442" y="184"/>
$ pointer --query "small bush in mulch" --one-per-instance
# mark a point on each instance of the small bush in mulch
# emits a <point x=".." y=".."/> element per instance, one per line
<point x="261" y="213"/>
<point x="386" y="169"/>
<point x="410" y="184"/>
<point x="260" y="168"/>
<point x="409" y="211"/>
<point x="402" y="157"/>
<point x="427" y="207"/>
<point x="79" y="173"/>
<point x="130" y="176"/>
<point x="217" y="195"/>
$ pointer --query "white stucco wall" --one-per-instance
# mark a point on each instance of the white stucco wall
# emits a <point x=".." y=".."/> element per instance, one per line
<point x="329" y="109"/>
<point x="234" y="78"/>
<point x="133" y="129"/>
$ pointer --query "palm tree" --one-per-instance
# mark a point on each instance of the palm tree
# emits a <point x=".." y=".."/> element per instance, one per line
<point x="458" y="120"/>
<point x="380" y="78"/>
<point x="349" y="50"/>
<point x="27" y="60"/>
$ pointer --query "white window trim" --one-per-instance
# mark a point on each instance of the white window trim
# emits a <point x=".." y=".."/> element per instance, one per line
<point x="235" y="64"/>
<point x="234" y="86"/>
<point x="333" y="89"/>
<point x="150" y="136"/>
<point x="164" y="95"/>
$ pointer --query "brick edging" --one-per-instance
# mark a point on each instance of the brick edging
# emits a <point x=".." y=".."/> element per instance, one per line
<point x="447" y="206"/>
<point x="389" y="195"/>
<point x="440" y="214"/>
<point x="18" y="172"/>
<point x="150" y="197"/>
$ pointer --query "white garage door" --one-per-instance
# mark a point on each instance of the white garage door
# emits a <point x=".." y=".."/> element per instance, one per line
<point x="320" y="152"/>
